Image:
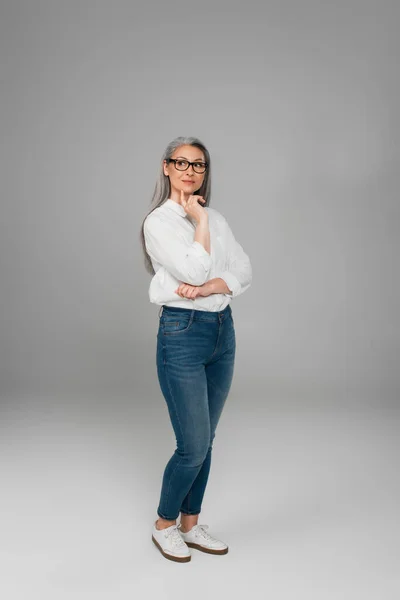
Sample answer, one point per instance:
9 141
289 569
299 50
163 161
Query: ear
165 168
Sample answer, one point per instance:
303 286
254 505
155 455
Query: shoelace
175 536
200 530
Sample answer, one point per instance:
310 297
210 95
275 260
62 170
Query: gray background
298 105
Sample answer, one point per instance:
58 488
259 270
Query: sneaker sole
207 550
171 556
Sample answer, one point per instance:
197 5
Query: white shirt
177 258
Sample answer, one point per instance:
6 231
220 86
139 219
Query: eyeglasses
183 165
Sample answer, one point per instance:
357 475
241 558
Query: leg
184 385
219 378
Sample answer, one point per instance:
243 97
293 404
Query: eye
181 163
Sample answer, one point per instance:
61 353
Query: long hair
162 188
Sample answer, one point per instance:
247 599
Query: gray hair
162 188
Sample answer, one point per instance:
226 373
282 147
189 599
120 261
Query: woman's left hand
185 290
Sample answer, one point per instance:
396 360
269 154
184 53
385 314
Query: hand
192 207
185 290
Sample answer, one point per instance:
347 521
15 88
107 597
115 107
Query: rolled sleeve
238 274
232 283
189 263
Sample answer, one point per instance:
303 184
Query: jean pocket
174 326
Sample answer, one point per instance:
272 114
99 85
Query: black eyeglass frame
174 160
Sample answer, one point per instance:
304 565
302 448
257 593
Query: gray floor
307 499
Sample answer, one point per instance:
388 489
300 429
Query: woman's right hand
193 208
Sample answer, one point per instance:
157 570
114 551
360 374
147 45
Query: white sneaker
171 544
198 538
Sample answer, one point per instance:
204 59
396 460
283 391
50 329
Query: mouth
187 180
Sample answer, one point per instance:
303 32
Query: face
189 181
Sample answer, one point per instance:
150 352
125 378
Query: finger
192 291
179 290
186 290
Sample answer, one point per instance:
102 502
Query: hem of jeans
167 518
190 513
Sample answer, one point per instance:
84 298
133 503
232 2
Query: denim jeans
195 361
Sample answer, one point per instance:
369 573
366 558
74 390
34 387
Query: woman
197 267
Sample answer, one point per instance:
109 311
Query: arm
237 277
186 262
217 286
202 234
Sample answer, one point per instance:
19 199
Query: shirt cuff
232 282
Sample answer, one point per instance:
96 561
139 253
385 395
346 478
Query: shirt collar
175 206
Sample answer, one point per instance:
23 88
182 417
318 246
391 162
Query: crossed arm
212 286
191 263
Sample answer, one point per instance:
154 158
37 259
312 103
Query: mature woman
197 267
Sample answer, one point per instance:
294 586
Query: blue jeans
195 360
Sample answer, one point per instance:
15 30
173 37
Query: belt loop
160 311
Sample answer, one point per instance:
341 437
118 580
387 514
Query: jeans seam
169 484
181 432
